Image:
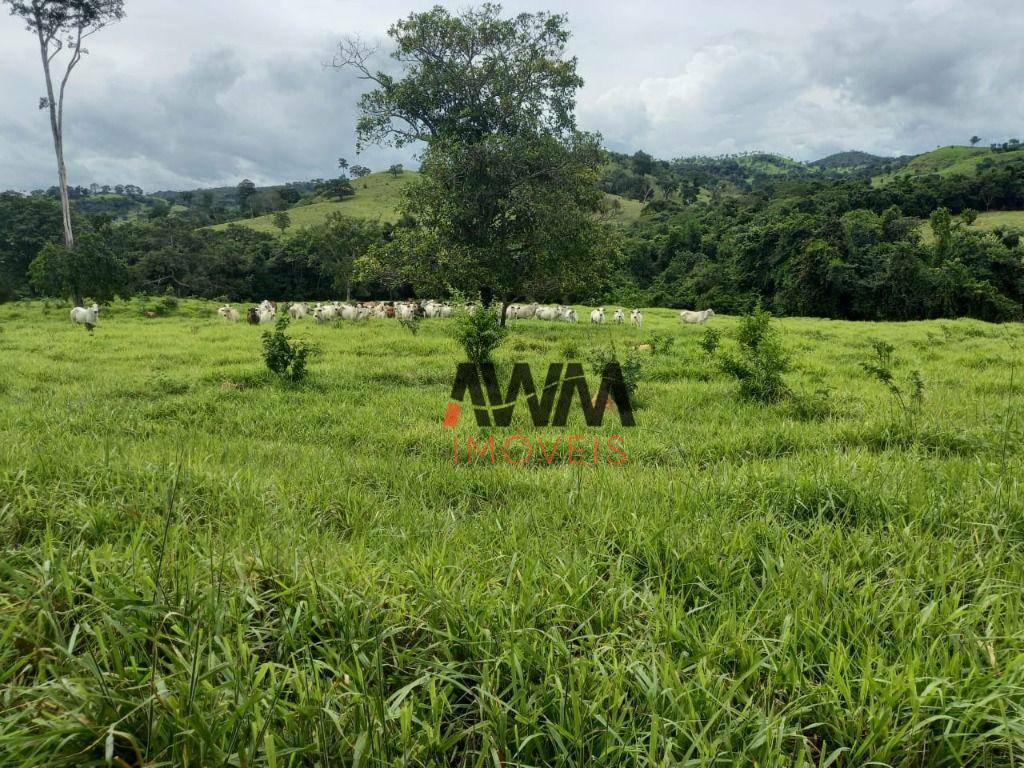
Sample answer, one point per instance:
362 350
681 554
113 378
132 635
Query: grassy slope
751 587
377 198
949 161
985 222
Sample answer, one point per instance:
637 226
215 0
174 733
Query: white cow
597 316
325 313
636 317
619 316
548 313
90 317
568 315
298 311
523 311
229 313
689 316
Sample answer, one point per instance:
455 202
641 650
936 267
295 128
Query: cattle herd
266 312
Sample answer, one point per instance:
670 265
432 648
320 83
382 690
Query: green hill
952 161
377 198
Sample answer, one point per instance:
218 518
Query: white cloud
187 92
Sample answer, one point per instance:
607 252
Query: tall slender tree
62 26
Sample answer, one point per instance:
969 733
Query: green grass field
200 566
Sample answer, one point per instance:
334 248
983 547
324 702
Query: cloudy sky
187 93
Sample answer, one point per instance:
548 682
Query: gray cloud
184 93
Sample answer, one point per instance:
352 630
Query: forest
801 239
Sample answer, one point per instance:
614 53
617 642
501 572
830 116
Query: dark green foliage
284 357
90 268
479 333
336 189
759 360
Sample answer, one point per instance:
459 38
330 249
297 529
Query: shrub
161 306
710 340
285 357
880 367
631 367
479 333
411 323
759 360
661 344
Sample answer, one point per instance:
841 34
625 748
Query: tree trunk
58 144
504 311
57 129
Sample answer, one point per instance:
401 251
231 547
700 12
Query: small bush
710 340
759 360
661 344
479 333
285 357
411 323
631 367
162 306
880 367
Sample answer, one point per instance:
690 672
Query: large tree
63 25
506 195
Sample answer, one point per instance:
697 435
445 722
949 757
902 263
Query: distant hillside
377 198
859 162
124 207
951 161
992 221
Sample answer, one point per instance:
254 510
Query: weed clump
284 357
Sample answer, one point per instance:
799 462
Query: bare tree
62 25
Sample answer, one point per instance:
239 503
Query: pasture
200 566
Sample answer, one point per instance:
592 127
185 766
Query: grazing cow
597 316
298 311
229 313
325 313
619 317
689 316
568 315
90 317
547 313
525 313
636 317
